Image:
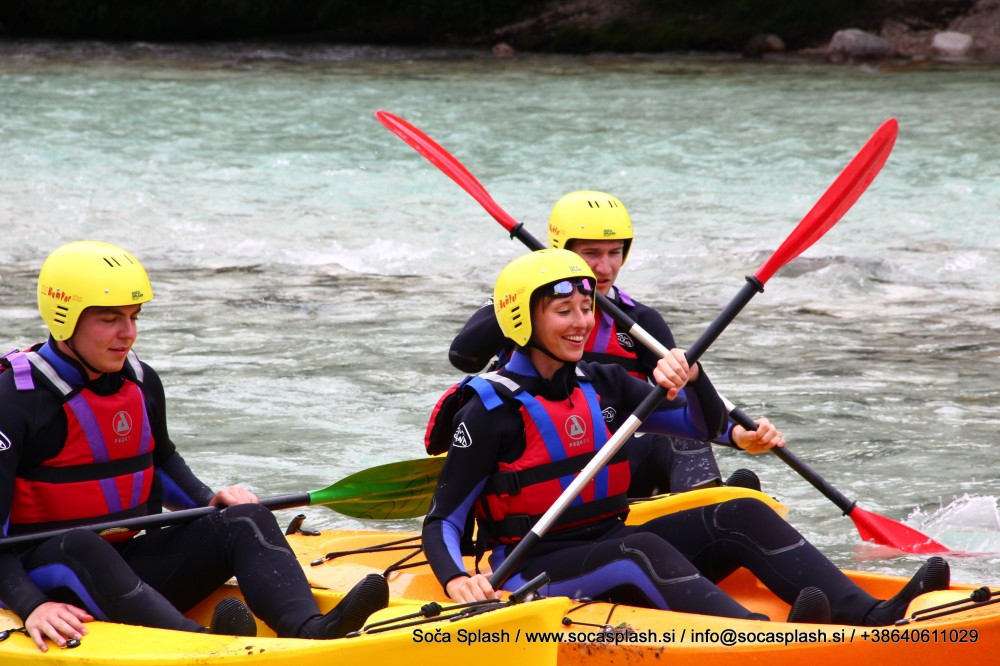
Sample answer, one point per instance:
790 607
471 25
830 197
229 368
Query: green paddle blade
395 490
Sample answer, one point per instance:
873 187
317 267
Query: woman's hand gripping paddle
395 490
839 197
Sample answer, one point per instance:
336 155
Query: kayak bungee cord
978 598
435 612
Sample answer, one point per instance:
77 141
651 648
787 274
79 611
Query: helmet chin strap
541 348
80 357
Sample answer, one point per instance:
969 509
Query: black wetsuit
150 578
671 562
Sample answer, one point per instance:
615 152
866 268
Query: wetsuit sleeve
704 410
483 436
19 410
179 487
17 591
654 324
479 341
725 438
700 416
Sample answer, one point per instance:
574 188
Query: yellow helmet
589 215
521 278
83 274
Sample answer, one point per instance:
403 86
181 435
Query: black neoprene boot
232 617
743 478
810 607
368 596
935 574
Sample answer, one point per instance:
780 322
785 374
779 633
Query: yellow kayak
473 639
948 625
616 634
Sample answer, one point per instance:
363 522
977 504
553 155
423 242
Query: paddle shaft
846 505
153 520
738 415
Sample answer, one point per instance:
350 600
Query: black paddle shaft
805 471
153 520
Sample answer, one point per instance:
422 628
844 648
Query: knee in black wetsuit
753 522
256 522
81 568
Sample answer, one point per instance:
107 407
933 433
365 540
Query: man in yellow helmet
596 226
84 440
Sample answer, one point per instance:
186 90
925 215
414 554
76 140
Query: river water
310 269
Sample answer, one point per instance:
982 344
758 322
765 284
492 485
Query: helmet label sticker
56 294
461 439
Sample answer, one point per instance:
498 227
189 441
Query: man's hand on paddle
764 438
233 495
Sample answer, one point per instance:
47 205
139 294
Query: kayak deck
547 631
117 644
616 634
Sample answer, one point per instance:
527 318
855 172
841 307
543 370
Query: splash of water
970 524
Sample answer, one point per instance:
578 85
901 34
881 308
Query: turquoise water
310 268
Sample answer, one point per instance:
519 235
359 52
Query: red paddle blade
839 197
447 163
887 532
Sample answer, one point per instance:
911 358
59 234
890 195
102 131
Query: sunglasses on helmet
565 288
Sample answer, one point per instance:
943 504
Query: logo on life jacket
576 428
4 442
122 424
461 439
625 340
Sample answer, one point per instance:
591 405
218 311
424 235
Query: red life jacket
607 345
560 440
103 472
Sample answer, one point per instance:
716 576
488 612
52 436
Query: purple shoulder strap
21 367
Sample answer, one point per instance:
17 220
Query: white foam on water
970 524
